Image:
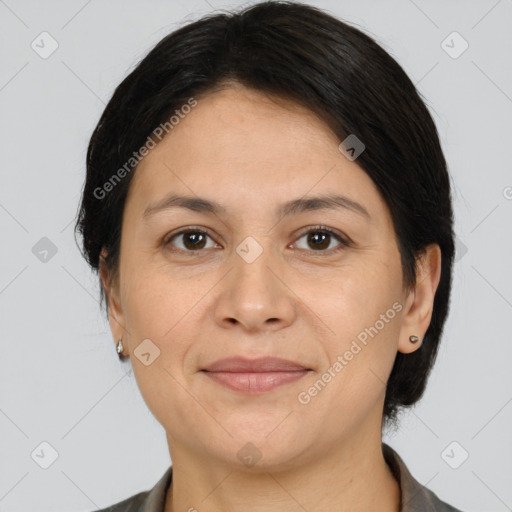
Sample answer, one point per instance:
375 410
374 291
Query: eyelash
314 229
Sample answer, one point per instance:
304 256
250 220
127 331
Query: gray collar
414 496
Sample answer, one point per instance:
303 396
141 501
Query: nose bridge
254 295
252 279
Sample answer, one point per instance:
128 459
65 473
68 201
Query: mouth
254 376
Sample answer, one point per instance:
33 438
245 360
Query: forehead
248 125
239 145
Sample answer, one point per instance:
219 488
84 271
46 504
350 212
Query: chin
261 458
262 441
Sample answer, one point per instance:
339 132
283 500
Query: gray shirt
414 496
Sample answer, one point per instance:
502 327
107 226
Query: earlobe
420 301
413 343
115 314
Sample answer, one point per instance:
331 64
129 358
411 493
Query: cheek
353 297
161 310
156 307
362 309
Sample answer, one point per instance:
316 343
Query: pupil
322 241
198 237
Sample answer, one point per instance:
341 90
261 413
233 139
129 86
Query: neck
354 477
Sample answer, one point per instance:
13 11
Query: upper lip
259 365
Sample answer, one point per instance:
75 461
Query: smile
254 376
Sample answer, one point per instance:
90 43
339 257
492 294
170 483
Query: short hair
296 52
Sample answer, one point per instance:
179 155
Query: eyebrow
294 207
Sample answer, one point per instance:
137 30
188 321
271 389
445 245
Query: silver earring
414 339
120 347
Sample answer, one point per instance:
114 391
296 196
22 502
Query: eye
192 239
319 239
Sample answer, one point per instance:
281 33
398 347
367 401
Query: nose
255 296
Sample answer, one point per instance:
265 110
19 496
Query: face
251 273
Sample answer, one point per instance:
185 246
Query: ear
420 301
115 311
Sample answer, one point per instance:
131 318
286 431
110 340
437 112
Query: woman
269 209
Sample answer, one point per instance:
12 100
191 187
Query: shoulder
427 500
415 497
132 504
152 500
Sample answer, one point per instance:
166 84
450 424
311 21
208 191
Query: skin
251 154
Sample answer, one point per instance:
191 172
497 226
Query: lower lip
255 382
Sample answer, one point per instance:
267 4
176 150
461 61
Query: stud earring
414 339
120 348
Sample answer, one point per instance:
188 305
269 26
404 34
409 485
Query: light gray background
61 381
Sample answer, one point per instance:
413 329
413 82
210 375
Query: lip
259 365
252 376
